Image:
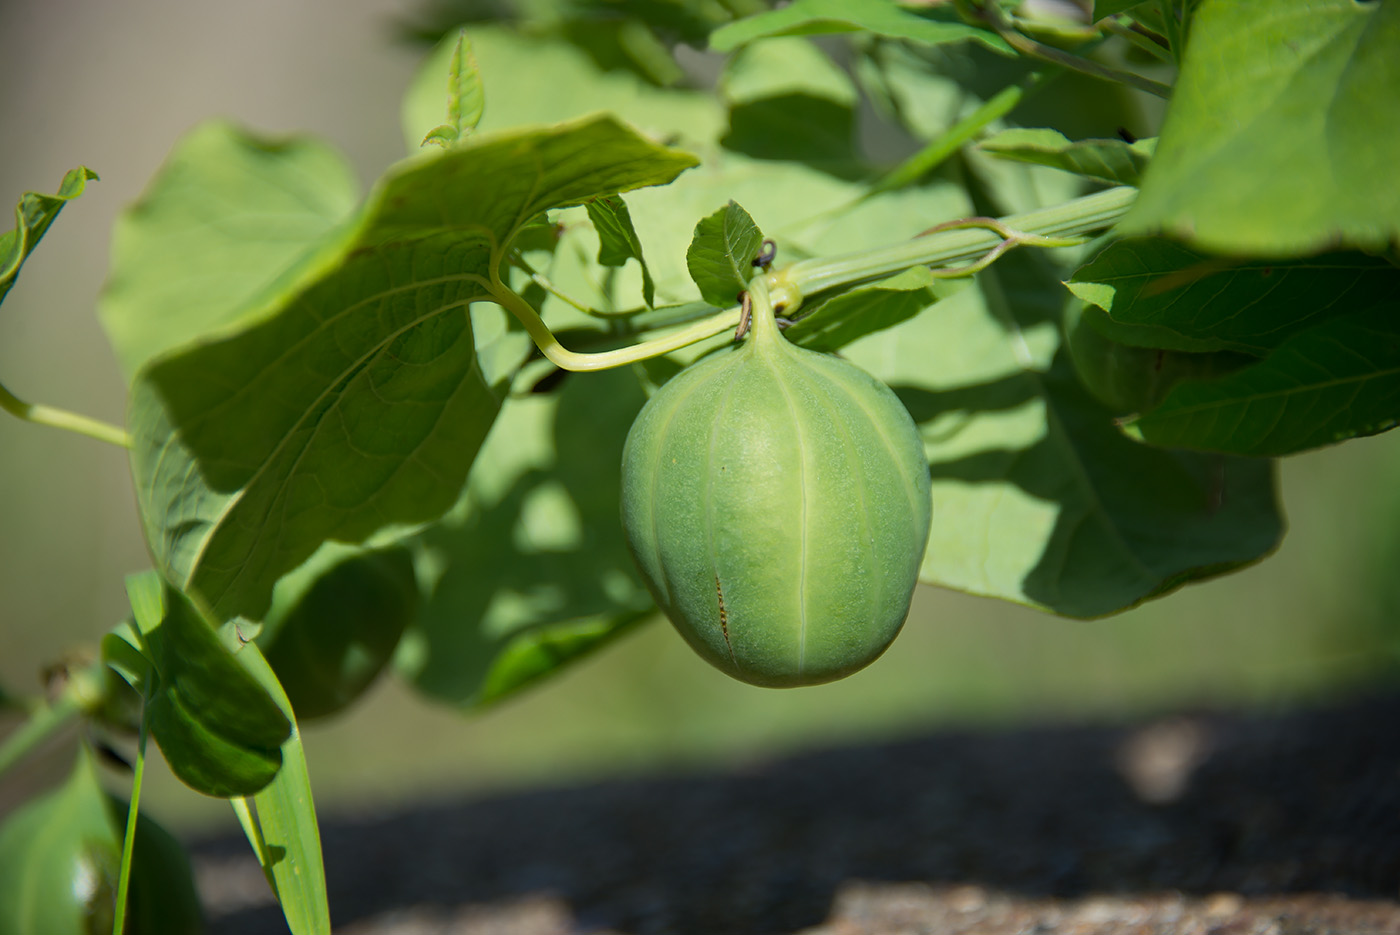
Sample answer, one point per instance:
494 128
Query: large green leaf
217 727
1038 497
354 400
879 17
1162 294
530 570
228 214
1336 380
33 215
1284 131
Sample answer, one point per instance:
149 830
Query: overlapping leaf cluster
344 448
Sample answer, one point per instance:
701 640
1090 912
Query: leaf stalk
63 419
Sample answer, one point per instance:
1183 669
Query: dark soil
1210 824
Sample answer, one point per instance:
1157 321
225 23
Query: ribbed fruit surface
777 503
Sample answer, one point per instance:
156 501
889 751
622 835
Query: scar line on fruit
724 618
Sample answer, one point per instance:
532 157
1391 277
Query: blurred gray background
112 85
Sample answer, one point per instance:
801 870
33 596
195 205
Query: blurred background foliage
112 86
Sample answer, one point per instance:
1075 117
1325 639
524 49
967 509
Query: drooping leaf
865 310
230 217
530 569
1333 381
879 17
617 239
355 400
288 838
1112 161
33 215
1158 293
1282 132
216 726
335 622
1038 498
721 254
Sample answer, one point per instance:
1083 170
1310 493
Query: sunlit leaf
226 220
530 570
1282 132
1038 497
355 400
721 254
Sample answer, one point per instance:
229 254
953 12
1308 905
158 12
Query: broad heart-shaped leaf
617 239
286 836
865 310
1159 293
228 213
1112 161
530 570
1038 497
33 215
1284 131
1334 381
722 253
216 725
355 401
880 17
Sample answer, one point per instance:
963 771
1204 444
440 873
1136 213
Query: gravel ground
1211 824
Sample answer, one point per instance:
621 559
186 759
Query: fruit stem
63 419
764 322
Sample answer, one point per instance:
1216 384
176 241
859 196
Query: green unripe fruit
777 503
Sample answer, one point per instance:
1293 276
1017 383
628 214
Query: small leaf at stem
721 254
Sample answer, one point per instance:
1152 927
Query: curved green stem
562 357
63 419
